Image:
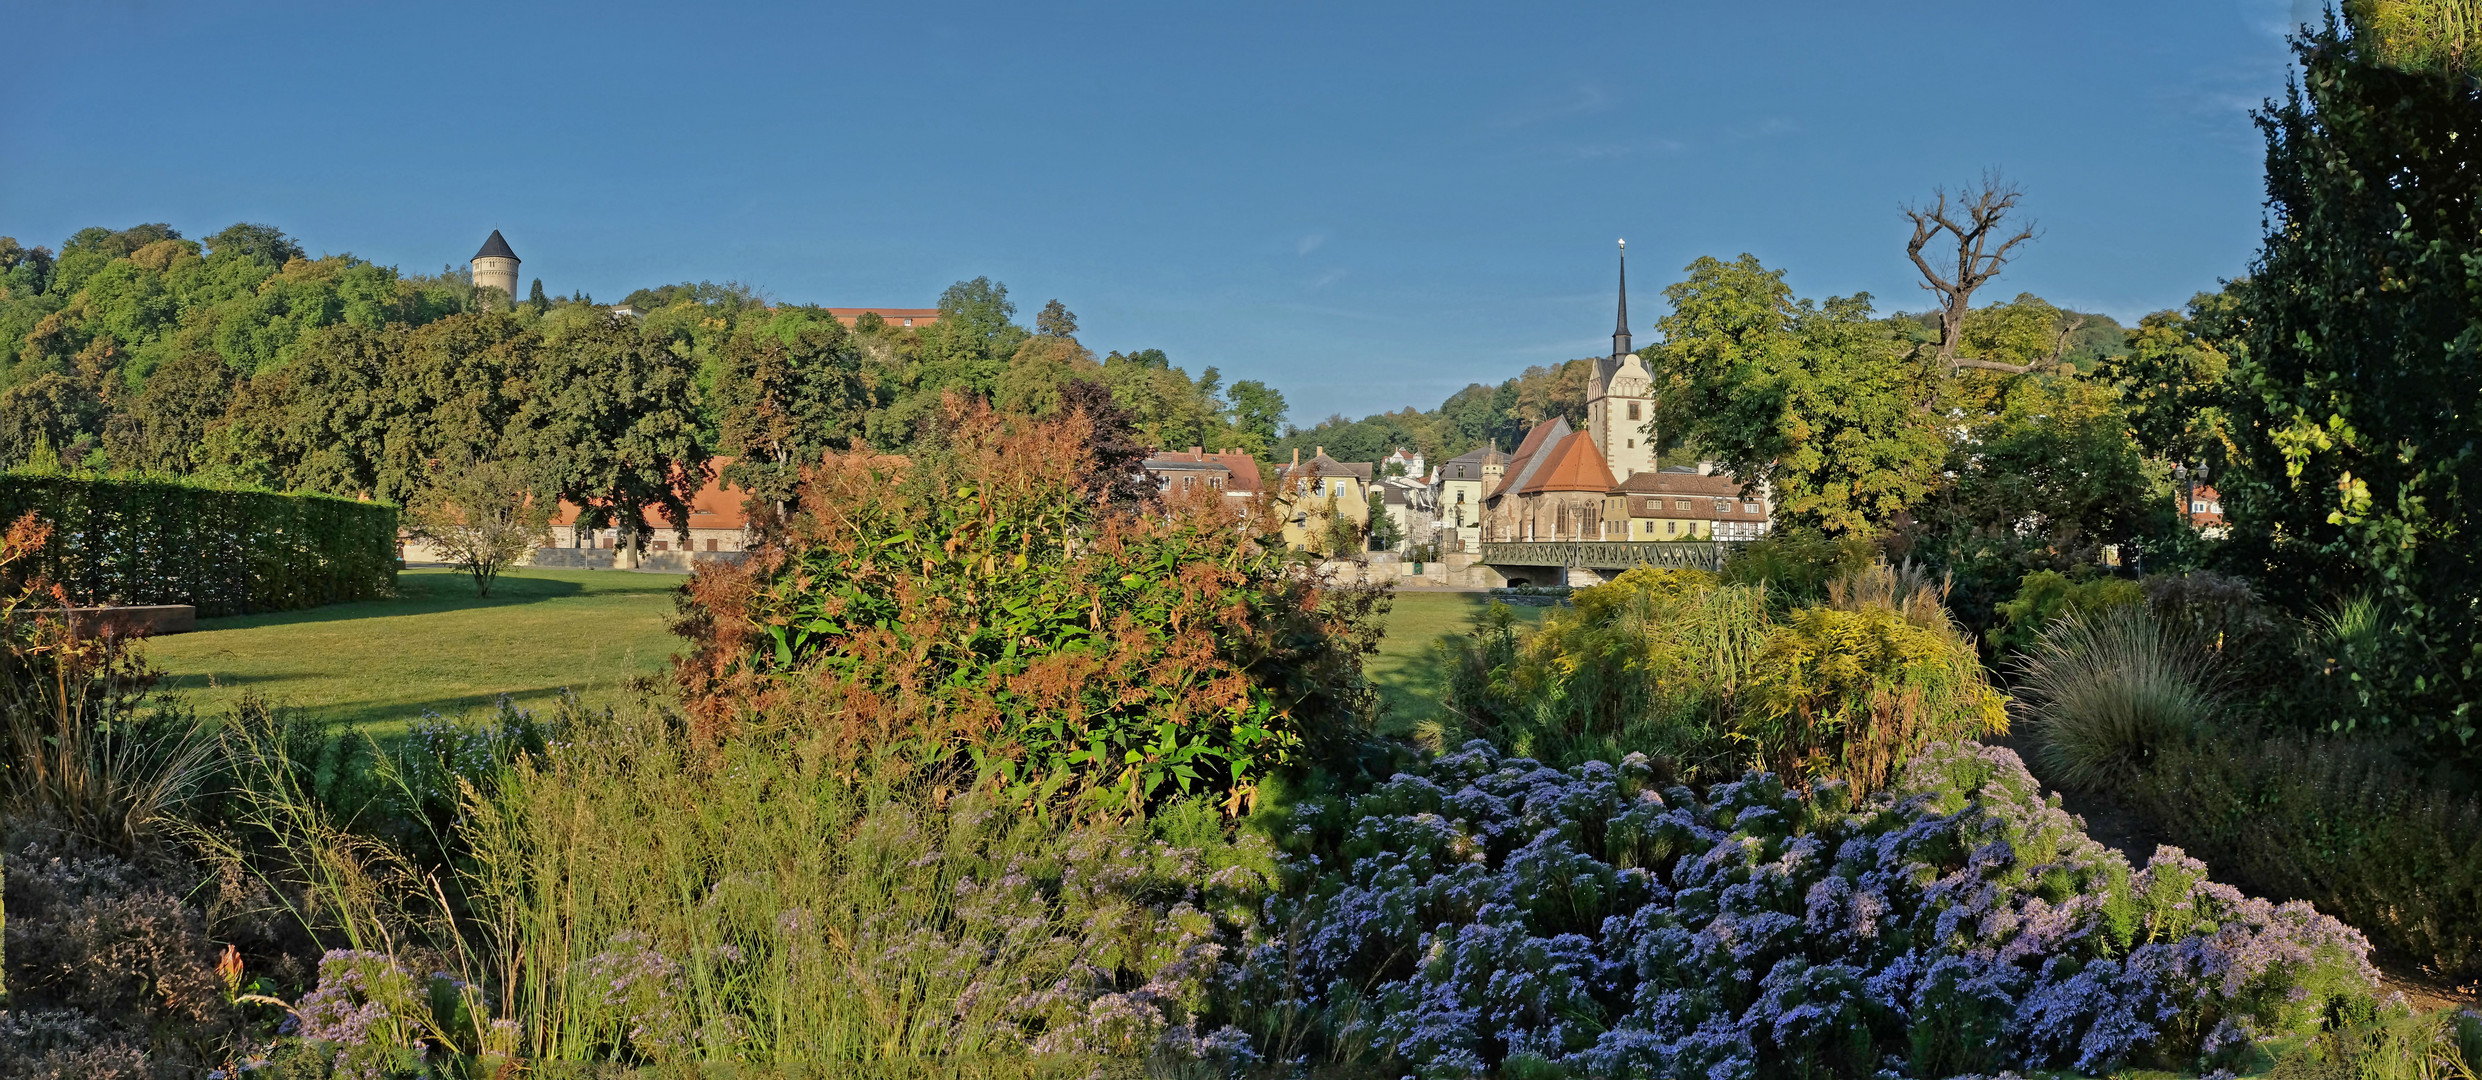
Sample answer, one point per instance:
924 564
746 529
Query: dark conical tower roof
496 248
1620 336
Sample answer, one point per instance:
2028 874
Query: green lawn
1409 682
435 648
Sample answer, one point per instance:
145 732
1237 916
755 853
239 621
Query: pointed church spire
1620 337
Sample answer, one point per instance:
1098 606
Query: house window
2198 507
710 543
1749 508
1671 527
1633 410
1683 504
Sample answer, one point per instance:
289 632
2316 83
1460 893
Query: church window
1633 444
1633 410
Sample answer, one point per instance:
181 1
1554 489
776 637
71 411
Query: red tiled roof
714 507
1522 464
896 316
1243 467
1574 465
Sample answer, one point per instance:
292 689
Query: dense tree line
241 359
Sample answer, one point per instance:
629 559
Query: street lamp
2189 479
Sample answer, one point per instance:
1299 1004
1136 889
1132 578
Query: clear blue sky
1368 206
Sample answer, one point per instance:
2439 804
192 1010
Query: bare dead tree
1977 220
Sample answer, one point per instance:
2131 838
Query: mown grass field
436 648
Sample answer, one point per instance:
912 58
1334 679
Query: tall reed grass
653 904
2103 690
83 750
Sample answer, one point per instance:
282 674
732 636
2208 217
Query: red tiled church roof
1573 465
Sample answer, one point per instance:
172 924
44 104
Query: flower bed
1491 913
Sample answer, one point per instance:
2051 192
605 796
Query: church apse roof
1573 465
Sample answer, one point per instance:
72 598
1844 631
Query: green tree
163 428
1384 533
53 415
609 420
481 516
2359 456
2173 380
784 396
1055 320
264 245
1822 402
1257 410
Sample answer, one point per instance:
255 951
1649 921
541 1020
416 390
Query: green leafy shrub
1851 695
2425 1046
228 551
2046 596
1675 663
1651 661
984 601
2103 690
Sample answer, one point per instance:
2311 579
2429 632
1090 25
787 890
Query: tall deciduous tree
609 421
2359 443
163 428
1820 401
783 398
1257 409
2174 377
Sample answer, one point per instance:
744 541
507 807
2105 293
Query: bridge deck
1611 554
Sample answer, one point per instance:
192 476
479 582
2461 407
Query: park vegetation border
226 550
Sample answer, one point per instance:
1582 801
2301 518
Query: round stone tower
495 266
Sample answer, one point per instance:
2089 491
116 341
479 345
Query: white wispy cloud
1309 243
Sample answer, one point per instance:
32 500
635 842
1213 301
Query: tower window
1633 410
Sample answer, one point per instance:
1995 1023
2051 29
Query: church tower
1620 398
495 266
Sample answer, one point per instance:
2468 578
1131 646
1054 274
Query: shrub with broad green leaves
988 602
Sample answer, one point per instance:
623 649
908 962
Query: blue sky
1367 206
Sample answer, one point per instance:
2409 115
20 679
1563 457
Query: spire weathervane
1620 336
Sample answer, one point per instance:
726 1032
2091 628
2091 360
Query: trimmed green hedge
229 551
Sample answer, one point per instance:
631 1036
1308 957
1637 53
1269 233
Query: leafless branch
1977 220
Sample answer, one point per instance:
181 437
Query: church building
1557 484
